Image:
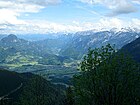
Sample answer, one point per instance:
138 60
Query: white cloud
8 16
26 5
136 2
122 7
88 1
110 23
135 23
35 2
38 26
117 7
10 11
43 26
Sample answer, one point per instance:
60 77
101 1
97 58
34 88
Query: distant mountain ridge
12 41
81 41
70 45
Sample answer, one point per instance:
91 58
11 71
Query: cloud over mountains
12 11
117 7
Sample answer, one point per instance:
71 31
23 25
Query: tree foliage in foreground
107 78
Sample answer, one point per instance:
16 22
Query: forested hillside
28 89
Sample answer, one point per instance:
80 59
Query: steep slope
133 49
9 81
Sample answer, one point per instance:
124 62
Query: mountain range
66 46
58 50
83 40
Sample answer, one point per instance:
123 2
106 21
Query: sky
68 16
